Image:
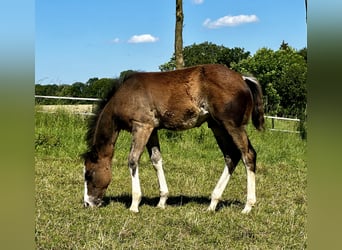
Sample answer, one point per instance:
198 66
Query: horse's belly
185 119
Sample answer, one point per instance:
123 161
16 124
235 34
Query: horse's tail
258 109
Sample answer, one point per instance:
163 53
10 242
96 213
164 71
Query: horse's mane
92 121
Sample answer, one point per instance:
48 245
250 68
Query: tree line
281 73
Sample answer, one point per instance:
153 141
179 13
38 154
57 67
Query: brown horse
175 100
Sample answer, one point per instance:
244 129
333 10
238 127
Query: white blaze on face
86 198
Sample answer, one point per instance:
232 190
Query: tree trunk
306 10
179 35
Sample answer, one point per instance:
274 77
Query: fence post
272 123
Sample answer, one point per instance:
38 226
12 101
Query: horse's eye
88 176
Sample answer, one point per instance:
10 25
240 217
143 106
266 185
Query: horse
176 100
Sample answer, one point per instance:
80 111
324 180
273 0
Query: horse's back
184 98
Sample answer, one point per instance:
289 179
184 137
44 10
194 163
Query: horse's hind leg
240 138
153 148
140 135
250 163
231 156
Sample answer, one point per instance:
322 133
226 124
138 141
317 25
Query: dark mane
92 121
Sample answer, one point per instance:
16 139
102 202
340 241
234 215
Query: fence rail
273 118
68 98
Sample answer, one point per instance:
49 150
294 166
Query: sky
76 40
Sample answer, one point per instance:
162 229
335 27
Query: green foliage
282 75
50 90
99 88
303 126
207 53
126 73
93 88
272 100
304 53
193 165
76 90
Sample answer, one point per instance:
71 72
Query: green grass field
193 165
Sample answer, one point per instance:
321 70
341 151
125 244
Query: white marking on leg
164 191
136 191
220 186
251 197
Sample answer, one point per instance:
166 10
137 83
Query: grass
193 164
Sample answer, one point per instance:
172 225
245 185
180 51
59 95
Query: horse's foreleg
136 189
157 162
140 135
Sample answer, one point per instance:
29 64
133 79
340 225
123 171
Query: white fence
275 126
68 98
293 121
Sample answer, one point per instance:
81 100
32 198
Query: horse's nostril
86 204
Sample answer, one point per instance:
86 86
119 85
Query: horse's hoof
246 210
162 206
134 210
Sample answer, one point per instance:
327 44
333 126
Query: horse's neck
105 133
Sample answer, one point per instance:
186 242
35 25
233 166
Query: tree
304 53
272 100
207 52
179 34
284 46
292 88
99 88
48 90
263 65
90 89
282 74
306 9
74 90
126 73
231 56
202 53
45 90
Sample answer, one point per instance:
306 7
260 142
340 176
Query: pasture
193 163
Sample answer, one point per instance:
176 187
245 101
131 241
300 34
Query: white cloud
229 21
144 38
115 40
197 1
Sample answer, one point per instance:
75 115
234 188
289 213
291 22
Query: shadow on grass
176 201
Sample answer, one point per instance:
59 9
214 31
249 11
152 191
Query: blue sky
79 39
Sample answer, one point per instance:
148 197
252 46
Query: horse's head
97 176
